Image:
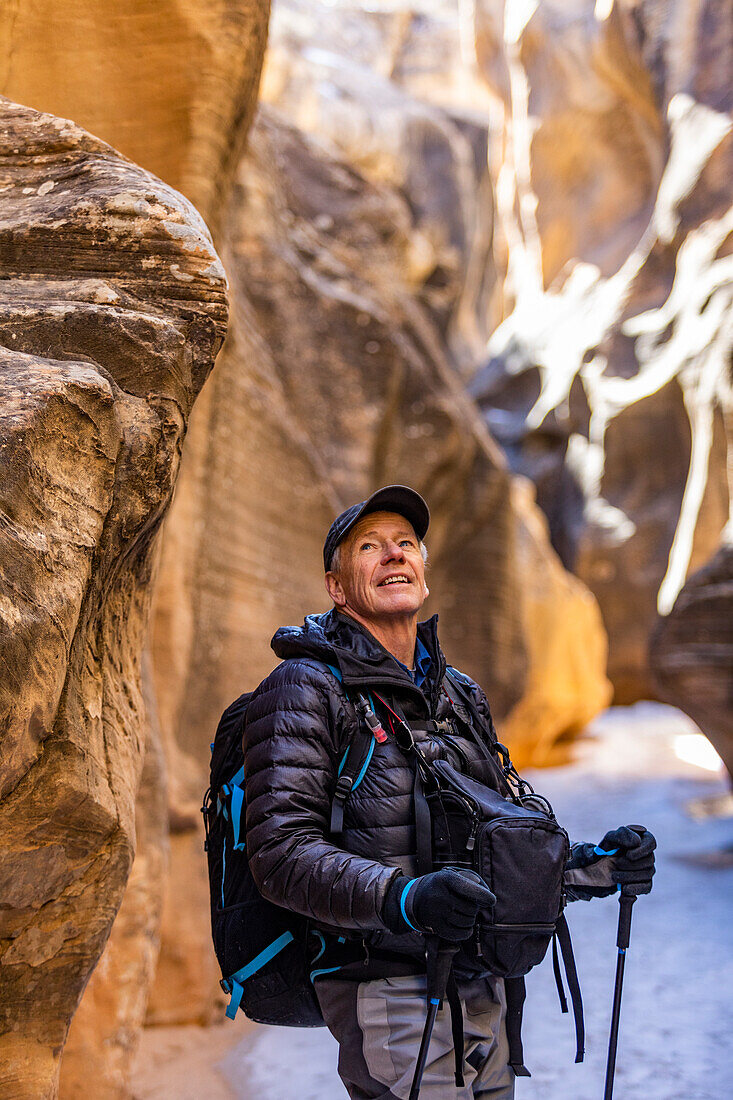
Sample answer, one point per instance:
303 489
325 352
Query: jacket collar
363 661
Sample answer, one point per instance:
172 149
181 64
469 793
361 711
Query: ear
335 589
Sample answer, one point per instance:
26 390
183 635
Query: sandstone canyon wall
395 210
112 310
172 84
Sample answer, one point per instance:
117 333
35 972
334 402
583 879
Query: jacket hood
337 639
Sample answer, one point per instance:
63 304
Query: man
361 888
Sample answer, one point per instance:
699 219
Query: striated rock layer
172 85
606 383
112 309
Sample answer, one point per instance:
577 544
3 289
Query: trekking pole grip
626 902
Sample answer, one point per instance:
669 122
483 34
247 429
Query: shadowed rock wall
692 651
112 310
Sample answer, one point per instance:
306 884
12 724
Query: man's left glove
624 858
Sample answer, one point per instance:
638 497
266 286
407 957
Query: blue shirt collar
422 664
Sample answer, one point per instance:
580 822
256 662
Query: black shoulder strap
473 716
566 947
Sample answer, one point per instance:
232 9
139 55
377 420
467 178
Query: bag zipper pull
471 842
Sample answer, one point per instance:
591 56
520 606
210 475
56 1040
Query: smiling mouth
400 578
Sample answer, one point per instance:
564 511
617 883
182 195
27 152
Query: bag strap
566 947
515 995
474 721
558 975
354 763
472 717
423 827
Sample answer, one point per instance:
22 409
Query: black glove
444 903
624 858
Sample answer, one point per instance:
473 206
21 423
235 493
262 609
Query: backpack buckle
344 784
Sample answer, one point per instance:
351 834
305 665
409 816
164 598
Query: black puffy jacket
298 725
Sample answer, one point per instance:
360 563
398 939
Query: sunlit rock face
389 90
567 647
692 651
112 310
606 383
172 84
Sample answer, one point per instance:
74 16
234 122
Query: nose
392 551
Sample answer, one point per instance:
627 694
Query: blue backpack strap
234 984
237 805
235 788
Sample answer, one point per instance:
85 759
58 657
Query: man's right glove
624 858
444 903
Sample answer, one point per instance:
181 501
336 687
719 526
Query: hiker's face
380 574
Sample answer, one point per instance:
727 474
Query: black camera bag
520 852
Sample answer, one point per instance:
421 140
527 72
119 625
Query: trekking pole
439 960
625 901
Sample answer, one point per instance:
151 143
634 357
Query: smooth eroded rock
170 83
112 309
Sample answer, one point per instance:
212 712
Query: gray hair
336 557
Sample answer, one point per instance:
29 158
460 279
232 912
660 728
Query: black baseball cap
392 498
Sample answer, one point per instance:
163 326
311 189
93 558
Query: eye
406 542
366 545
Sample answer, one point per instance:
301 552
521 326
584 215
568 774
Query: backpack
262 949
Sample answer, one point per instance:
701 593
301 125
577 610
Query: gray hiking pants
379 1025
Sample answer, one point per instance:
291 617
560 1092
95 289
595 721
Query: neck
398 636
